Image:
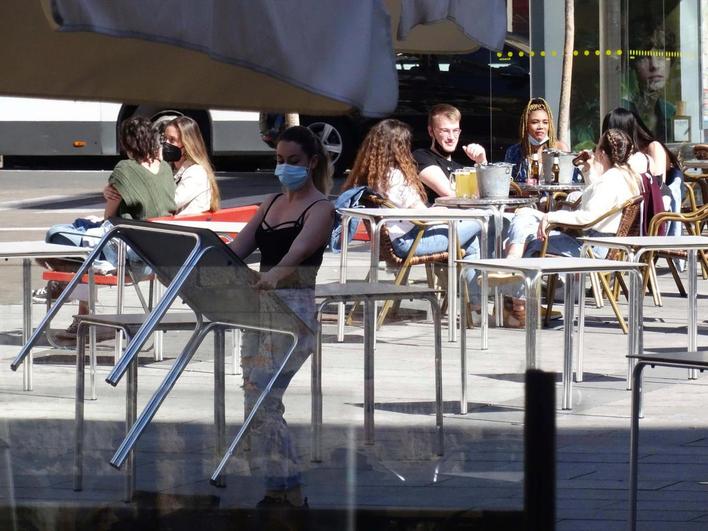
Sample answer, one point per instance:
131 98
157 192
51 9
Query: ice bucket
494 180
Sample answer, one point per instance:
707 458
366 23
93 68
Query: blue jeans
435 240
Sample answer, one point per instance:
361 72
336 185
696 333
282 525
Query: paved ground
482 468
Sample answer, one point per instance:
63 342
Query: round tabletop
461 202
555 187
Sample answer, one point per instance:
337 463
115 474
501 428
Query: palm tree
567 74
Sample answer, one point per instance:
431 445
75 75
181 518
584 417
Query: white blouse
401 194
192 193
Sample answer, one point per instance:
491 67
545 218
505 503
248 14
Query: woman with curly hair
385 165
536 133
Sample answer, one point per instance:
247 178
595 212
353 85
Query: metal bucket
494 180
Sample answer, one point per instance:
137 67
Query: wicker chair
402 265
693 222
629 226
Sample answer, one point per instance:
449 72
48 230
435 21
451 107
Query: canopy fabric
334 70
447 26
310 56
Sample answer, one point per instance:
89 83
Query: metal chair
402 266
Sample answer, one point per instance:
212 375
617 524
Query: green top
145 195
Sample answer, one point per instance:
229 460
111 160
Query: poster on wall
652 80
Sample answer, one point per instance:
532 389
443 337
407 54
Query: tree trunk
567 75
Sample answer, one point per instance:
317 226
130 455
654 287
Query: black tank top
274 242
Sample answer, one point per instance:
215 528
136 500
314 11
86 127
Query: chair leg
397 304
402 273
596 290
619 280
613 303
350 317
677 277
550 292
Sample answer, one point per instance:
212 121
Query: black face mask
170 152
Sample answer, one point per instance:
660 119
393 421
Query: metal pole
343 275
435 309
120 288
92 334
581 329
463 344
79 408
568 341
452 282
634 443
131 413
27 321
533 289
220 394
316 384
369 327
692 308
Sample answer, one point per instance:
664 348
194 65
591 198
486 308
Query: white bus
43 127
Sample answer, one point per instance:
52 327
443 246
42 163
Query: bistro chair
693 222
401 266
629 226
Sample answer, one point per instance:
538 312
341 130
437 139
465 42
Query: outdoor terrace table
532 270
498 206
378 217
548 189
692 361
636 246
27 251
368 294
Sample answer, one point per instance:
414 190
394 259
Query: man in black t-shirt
435 164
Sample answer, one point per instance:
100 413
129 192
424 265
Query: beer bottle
535 170
555 169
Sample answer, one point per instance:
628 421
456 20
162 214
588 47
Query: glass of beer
472 186
462 189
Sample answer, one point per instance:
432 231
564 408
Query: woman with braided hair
617 183
536 133
385 165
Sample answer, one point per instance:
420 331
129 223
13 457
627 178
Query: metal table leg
343 276
79 408
452 282
463 347
27 321
568 341
581 329
533 297
131 413
369 328
219 395
316 384
634 443
692 308
435 308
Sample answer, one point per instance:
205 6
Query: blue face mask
292 177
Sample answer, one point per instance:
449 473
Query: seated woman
385 165
536 133
291 230
146 189
196 188
651 156
617 183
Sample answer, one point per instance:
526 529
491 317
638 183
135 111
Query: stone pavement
482 468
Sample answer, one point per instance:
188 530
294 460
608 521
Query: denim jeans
272 453
435 240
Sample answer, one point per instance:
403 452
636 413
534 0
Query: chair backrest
386 252
629 222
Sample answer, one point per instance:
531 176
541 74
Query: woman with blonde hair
184 148
182 145
536 133
385 165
